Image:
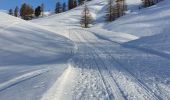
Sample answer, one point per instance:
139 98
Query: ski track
128 73
142 91
112 90
22 78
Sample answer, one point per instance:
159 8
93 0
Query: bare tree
147 3
110 11
86 18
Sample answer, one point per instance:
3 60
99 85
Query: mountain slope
144 22
109 61
108 64
25 41
31 58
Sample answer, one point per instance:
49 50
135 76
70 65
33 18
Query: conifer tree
58 8
86 18
38 11
16 11
11 12
72 4
64 7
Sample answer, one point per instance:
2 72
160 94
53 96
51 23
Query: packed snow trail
96 73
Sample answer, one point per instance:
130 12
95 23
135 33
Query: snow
53 58
4 11
31 58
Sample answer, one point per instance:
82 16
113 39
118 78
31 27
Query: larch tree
86 18
26 11
147 3
110 11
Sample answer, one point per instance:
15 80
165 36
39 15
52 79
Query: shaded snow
31 58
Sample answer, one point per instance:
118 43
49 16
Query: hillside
53 58
120 49
29 56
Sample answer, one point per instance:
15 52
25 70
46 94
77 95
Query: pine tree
86 18
58 8
64 7
38 11
16 11
11 12
72 4
23 10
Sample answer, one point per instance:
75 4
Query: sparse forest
148 3
114 10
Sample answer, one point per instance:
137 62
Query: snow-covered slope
111 61
30 58
151 25
71 19
145 22
22 42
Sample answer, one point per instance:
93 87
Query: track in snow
138 88
22 78
95 74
